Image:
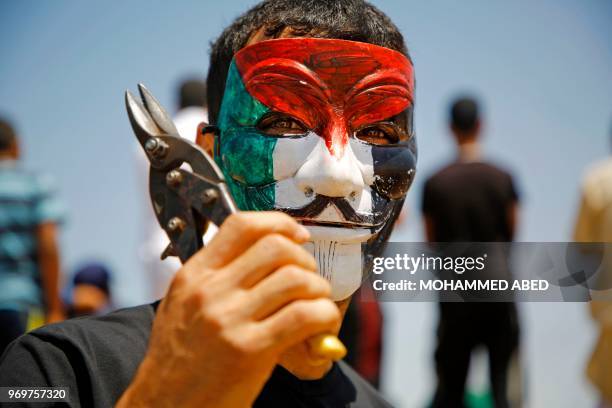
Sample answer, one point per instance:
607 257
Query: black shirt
469 202
97 357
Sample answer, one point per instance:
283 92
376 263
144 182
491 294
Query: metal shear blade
186 186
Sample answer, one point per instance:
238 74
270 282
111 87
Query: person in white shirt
191 112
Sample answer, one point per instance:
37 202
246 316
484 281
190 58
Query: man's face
322 130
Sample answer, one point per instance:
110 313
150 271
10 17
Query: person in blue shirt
29 256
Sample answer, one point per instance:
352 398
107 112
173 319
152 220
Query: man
29 258
594 224
318 128
471 201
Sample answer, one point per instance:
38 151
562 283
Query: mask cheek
247 156
394 169
363 154
290 154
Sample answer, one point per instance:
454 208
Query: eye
383 133
279 124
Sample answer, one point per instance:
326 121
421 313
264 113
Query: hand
230 312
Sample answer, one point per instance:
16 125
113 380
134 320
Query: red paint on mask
333 86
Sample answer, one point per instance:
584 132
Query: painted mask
322 130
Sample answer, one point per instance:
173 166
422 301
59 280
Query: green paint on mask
245 154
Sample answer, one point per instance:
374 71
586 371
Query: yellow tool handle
327 346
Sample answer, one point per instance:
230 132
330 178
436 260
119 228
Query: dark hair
354 20
464 114
192 93
7 135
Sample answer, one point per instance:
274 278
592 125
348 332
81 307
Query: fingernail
302 233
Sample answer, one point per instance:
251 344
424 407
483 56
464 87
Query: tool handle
327 346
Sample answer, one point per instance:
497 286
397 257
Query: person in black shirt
97 358
233 327
470 200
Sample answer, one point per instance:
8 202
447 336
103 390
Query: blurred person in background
594 224
470 200
90 293
191 107
29 255
191 112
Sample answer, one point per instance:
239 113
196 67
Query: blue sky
543 71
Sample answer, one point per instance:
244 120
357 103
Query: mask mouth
337 224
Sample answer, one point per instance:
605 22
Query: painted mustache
321 202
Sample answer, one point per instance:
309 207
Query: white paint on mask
339 263
303 168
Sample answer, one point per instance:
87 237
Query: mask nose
328 175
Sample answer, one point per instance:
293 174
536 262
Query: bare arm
48 261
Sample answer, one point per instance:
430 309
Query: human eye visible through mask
279 125
383 133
